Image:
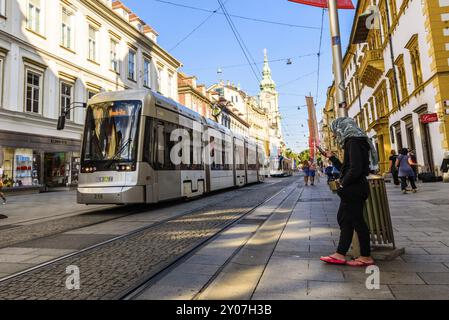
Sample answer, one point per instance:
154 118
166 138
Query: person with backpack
353 190
404 163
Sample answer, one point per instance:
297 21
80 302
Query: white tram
281 167
141 147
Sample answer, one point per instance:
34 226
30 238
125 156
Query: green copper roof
267 83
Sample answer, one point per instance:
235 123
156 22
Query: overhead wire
240 17
242 46
194 29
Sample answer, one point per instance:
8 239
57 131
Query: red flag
341 4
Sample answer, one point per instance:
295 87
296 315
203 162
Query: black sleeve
356 164
336 162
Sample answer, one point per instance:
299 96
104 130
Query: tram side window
252 158
149 150
160 141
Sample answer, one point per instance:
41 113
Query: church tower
269 99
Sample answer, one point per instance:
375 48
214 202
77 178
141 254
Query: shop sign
429 117
58 141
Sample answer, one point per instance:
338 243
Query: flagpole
337 58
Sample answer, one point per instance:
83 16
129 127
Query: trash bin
377 213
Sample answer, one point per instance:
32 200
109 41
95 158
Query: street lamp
61 119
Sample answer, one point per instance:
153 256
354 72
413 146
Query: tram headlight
88 169
125 167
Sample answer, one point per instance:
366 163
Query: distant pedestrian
305 169
353 190
393 169
312 172
328 171
2 195
404 163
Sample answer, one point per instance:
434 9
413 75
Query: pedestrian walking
312 172
305 169
353 190
2 195
404 163
393 169
328 171
414 163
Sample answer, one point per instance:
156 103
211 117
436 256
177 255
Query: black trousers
395 174
350 218
404 182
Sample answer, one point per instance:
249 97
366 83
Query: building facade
194 96
396 73
55 54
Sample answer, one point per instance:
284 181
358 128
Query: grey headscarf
345 128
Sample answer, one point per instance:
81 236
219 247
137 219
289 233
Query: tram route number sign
429 117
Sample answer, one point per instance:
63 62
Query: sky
203 46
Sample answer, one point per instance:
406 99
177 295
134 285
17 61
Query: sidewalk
280 260
421 225
32 208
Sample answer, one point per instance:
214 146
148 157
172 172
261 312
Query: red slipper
359 263
332 260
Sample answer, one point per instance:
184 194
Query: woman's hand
328 154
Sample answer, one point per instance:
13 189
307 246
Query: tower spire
267 83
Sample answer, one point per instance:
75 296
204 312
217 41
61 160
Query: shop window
19 168
33 96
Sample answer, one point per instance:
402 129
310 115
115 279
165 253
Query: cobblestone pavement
15 234
108 271
293 270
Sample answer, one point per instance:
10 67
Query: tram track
114 268
134 293
15 235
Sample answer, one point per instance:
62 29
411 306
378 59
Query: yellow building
396 70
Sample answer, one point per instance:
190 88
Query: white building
54 53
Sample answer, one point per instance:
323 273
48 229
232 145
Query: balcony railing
372 67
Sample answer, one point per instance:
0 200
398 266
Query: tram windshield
111 131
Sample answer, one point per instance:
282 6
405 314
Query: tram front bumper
111 195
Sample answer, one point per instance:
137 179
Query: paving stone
15 258
10 268
435 277
324 290
159 292
386 277
420 292
284 286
